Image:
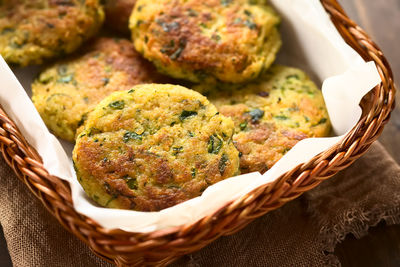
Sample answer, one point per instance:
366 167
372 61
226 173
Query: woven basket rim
126 248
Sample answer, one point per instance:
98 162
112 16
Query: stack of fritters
149 147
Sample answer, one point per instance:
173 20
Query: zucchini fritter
271 114
34 30
227 40
152 147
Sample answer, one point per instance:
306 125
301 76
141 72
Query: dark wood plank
381 247
5 260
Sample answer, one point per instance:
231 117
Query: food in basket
34 30
227 40
157 145
118 13
152 147
271 114
65 92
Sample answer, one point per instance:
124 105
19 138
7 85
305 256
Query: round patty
271 114
152 147
118 13
34 30
65 92
227 40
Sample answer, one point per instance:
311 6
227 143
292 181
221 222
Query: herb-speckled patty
65 92
228 40
34 30
118 13
271 114
152 147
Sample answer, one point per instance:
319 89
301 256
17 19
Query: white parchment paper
310 42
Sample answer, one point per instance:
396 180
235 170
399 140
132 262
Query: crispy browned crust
120 55
264 145
118 13
153 147
32 31
153 194
200 52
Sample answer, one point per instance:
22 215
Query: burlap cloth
302 233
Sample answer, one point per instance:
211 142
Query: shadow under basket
164 246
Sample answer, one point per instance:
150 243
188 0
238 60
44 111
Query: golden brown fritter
227 40
34 30
65 92
152 147
271 114
118 13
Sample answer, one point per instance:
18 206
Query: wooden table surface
381 247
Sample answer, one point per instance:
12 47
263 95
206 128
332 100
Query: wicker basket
164 246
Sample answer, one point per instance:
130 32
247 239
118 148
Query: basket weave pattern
164 246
